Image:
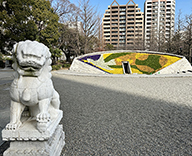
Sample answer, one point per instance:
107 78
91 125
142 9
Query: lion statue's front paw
43 117
13 126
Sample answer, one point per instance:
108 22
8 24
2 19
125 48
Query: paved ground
106 116
6 78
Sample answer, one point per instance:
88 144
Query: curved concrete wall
142 62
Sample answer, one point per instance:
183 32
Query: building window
114 7
114 40
130 10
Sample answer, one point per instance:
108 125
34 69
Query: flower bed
141 63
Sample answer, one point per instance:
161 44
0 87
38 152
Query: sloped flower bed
141 63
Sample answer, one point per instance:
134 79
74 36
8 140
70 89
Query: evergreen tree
27 19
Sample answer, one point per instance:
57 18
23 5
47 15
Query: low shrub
56 67
67 65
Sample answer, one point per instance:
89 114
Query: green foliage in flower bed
152 61
115 55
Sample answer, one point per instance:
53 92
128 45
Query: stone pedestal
28 141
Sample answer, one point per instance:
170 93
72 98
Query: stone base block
51 147
29 131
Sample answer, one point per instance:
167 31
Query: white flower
101 63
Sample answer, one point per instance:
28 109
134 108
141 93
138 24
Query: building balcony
155 4
114 28
106 22
122 13
131 24
130 33
106 18
114 40
130 28
122 41
130 19
114 9
107 34
122 21
106 38
114 20
106 26
114 16
114 24
107 31
130 39
122 33
122 25
122 17
107 13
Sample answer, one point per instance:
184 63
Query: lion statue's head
31 58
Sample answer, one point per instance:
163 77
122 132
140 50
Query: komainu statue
32 92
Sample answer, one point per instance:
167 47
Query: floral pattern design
141 63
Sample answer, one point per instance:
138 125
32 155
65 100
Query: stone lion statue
32 87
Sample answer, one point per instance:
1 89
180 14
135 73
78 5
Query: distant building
123 26
159 20
76 25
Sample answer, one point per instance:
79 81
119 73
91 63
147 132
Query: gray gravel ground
126 116
111 116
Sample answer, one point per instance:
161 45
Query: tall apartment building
159 21
123 26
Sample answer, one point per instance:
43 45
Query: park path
121 116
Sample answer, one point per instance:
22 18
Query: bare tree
188 35
139 41
70 41
64 9
90 20
153 40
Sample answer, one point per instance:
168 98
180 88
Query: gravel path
126 116
111 116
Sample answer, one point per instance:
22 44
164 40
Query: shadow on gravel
98 121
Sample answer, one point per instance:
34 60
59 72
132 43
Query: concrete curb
68 72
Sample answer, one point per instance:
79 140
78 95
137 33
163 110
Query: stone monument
34 112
